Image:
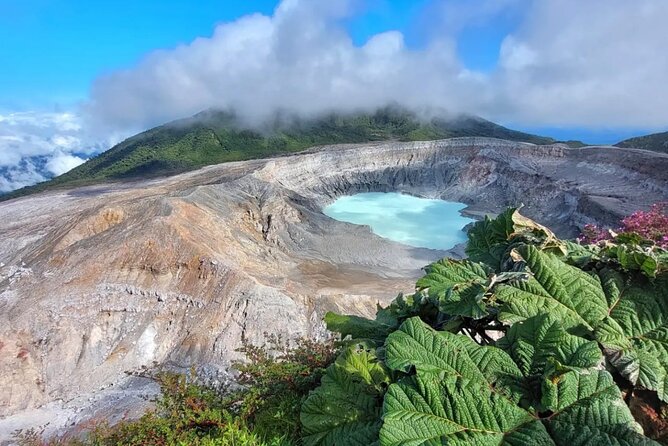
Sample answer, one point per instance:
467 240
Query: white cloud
300 58
63 162
586 63
600 62
35 146
24 173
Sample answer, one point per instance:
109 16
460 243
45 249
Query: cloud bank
37 146
300 59
594 63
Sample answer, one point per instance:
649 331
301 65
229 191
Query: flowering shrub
649 225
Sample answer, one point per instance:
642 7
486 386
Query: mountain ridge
218 136
655 142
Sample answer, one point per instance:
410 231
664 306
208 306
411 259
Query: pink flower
651 225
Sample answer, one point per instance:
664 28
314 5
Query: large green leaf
581 255
635 258
533 342
627 314
587 409
458 286
539 342
360 328
345 409
569 293
387 319
416 345
635 334
428 410
454 397
491 240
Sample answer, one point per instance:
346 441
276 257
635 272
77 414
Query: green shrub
276 379
532 340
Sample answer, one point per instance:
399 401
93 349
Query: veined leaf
580 255
490 240
345 409
428 410
576 297
589 410
635 258
531 343
635 334
537 343
454 399
458 286
360 328
416 345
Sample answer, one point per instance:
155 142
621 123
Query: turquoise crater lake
413 221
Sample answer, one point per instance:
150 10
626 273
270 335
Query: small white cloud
35 146
516 55
66 141
62 162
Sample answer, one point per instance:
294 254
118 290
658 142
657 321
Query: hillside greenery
656 142
530 340
215 136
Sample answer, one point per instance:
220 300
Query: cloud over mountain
601 62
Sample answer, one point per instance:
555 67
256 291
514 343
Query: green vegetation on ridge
215 136
657 142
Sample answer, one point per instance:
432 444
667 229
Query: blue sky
56 48
79 75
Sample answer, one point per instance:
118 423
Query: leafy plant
464 393
532 340
276 377
345 409
639 244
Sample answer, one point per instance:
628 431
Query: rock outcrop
98 281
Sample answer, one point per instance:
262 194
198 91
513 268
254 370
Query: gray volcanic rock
102 280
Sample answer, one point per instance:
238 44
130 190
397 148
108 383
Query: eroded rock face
102 280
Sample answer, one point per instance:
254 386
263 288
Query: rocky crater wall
99 281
